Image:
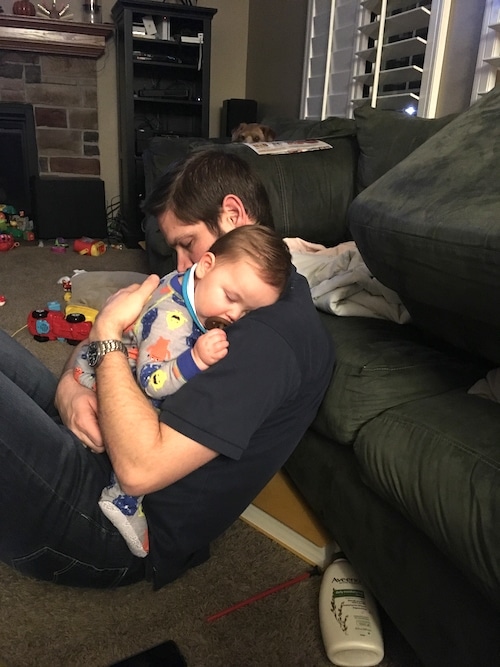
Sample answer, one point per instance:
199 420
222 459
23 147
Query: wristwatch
97 350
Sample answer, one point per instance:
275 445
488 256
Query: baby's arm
82 371
159 378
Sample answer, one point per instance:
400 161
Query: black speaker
234 112
69 207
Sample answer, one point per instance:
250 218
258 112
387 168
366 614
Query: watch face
93 355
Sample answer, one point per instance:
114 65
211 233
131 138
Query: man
212 447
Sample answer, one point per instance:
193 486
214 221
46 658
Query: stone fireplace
51 65
48 113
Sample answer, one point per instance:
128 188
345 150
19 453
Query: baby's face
230 290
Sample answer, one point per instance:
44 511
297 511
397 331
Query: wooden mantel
53 37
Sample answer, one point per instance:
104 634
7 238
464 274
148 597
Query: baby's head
245 269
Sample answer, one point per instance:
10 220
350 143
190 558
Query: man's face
189 241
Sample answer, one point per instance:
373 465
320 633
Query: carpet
43 625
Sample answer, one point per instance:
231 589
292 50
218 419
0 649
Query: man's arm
77 406
146 454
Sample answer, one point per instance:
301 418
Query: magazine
284 147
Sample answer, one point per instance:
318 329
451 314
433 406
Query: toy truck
52 324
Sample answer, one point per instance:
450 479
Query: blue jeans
51 526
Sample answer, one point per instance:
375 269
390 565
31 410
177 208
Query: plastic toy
86 246
7 242
52 324
89 313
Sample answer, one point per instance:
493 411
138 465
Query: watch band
99 348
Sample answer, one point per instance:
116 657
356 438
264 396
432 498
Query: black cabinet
163 68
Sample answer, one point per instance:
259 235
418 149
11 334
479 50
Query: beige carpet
43 625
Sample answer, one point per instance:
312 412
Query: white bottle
350 625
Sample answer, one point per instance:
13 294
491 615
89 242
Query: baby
181 333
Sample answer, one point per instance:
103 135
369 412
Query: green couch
402 464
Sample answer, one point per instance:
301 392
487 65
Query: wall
276 41
229 55
464 33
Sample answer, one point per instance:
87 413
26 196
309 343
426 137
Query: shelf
375 6
168 100
391 76
162 63
166 42
414 19
395 102
494 62
53 37
404 48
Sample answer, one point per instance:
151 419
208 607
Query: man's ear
233 214
205 264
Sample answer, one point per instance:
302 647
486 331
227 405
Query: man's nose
183 262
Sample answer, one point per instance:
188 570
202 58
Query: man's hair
259 246
194 189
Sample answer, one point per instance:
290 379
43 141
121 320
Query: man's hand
77 407
210 347
122 309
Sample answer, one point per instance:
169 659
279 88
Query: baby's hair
260 246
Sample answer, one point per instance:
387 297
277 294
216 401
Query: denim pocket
51 565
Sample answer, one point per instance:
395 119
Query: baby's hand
210 348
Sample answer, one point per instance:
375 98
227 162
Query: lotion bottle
350 625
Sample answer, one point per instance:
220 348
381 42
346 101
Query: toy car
45 324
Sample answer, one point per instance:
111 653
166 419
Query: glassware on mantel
91 11
23 8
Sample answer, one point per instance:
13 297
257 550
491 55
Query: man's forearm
129 423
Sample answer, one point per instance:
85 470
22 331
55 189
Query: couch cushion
379 365
438 461
430 230
387 137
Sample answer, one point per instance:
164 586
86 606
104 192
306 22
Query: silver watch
97 350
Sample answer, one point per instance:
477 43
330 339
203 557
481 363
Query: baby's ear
204 264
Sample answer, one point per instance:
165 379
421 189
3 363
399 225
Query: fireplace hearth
18 148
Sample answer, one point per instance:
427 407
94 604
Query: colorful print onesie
159 345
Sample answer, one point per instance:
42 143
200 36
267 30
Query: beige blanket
341 283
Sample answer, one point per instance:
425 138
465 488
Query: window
387 52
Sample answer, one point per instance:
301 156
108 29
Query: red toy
7 242
45 324
86 246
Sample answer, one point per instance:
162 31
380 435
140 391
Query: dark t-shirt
252 407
